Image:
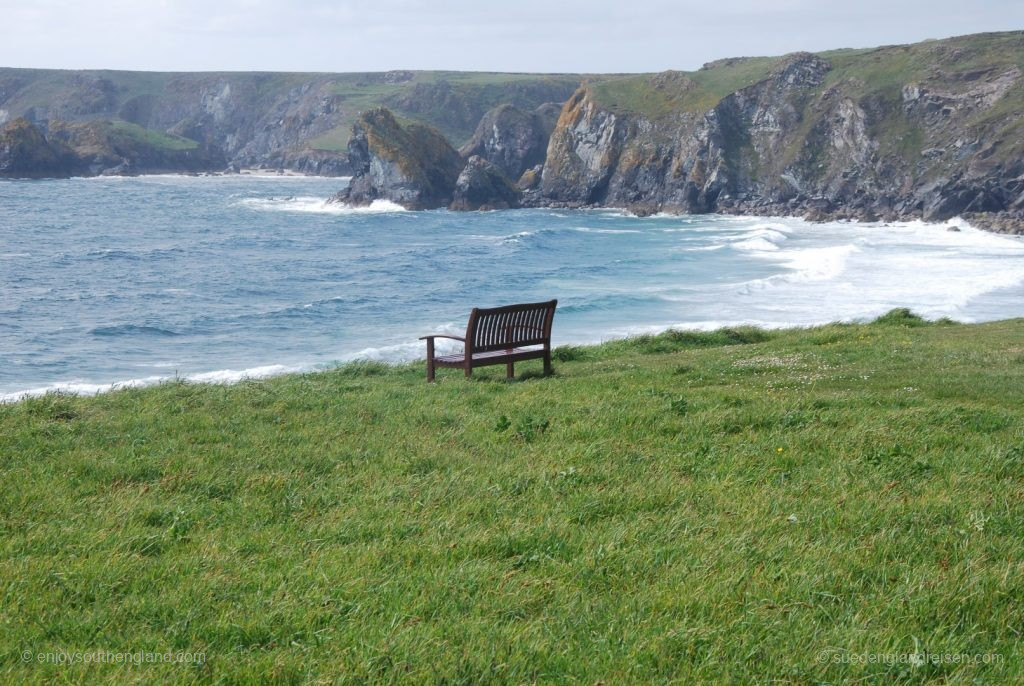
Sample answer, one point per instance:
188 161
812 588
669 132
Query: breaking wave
317 206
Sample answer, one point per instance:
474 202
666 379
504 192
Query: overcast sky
484 35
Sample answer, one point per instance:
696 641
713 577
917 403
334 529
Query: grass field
839 504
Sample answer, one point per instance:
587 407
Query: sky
473 35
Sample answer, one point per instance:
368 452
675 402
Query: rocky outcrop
26 153
482 185
97 147
313 162
897 132
511 139
270 120
455 106
412 164
105 147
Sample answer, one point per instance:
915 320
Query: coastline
228 377
815 211
406 353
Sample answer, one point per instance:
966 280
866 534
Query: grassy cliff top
874 70
738 506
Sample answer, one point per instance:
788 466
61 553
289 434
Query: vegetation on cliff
740 506
300 120
25 152
407 163
926 130
97 147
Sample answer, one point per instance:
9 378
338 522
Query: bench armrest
443 335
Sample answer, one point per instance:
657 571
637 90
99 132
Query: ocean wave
699 248
132 330
220 376
587 229
610 301
761 239
133 255
806 265
317 206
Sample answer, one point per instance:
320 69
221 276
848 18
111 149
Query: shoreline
252 173
1007 223
230 377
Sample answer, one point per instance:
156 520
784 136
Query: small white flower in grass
978 521
792 519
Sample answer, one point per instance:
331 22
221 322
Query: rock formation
930 130
25 153
482 185
512 139
412 164
269 120
96 147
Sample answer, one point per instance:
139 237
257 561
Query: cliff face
25 152
930 130
483 186
511 139
96 147
103 147
412 165
276 120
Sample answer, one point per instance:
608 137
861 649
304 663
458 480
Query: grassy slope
663 508
884 70
159 140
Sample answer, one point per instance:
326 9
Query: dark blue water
117 280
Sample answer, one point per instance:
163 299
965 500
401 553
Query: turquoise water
131 280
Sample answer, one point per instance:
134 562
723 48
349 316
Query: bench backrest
499 328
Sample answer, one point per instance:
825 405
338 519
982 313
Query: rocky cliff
511 139
25 152
930 130
272 120
97 147
410 164
482 185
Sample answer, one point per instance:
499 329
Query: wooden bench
499 335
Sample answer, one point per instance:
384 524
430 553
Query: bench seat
499 335
491 357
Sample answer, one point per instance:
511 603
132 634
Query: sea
125 281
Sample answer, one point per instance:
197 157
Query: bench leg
430 360
510 370
547 363
469 372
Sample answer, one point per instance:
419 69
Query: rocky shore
929 131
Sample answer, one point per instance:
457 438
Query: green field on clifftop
833 504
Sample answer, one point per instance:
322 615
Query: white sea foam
811 274
700 248
586 229
317 206
221 376
761 239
